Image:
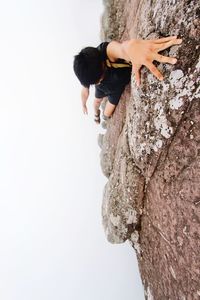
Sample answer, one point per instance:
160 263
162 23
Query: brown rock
151 152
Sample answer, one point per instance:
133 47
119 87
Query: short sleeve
102 48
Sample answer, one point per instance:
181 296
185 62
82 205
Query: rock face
151 151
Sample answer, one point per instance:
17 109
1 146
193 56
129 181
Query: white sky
52 244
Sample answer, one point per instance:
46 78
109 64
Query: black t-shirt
117 75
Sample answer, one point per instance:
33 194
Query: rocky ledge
151 151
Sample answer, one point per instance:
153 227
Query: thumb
136 71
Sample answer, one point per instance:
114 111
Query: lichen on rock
151 151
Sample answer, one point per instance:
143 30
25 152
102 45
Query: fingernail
174 61
161 77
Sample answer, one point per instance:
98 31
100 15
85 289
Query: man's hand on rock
144 52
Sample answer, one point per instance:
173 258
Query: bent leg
109 109
97 102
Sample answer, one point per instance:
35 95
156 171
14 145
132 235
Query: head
88 66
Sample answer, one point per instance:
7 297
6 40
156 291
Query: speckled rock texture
151 151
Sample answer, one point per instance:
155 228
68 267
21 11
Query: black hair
88 66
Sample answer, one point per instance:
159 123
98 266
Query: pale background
52 244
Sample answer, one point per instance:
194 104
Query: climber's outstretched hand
148 51
143 53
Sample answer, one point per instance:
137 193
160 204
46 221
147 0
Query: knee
109 109
107 114
97 101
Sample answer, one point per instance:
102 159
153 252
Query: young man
109 67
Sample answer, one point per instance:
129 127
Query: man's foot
104 125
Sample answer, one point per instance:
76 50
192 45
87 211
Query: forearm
116 50
84 95
128 50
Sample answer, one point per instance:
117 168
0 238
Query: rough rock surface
151 151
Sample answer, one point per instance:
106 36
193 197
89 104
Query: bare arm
143 52
84 97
